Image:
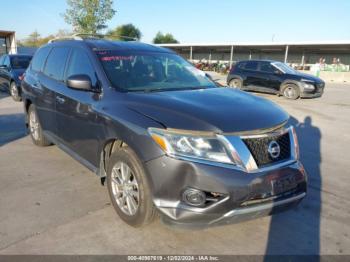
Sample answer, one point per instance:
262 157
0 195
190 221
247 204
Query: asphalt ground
50 204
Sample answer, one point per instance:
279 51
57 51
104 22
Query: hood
214 109
309 77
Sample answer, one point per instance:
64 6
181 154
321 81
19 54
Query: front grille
258 147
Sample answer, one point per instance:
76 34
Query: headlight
308 86
198 145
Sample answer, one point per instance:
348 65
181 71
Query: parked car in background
161 134
12 68
274 77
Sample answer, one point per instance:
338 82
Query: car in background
12 68
274 77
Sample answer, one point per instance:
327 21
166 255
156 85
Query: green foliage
88 16
127 32
164 39
35 39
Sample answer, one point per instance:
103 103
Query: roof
103 44
6 33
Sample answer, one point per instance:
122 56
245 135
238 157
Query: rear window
55 63
39 58
20 62
253 65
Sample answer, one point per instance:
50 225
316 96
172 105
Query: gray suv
161 135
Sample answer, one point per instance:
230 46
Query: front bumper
318 92
243 195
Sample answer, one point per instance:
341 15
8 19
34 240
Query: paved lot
50 204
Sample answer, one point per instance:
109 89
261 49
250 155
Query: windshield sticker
117 58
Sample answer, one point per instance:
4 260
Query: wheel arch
234 77
289 81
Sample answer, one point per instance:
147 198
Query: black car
274 77
162 136
12 68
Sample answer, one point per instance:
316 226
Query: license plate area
283 184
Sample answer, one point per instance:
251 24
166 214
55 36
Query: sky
195 21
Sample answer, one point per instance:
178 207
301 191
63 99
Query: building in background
8 42
332 55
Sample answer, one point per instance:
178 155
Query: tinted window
267 67
7 61
39 58
253 65
79 64
20 62
55 62
2 60
241 65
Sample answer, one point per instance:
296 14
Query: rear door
77 122
251 74
48 82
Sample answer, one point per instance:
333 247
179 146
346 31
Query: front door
77 123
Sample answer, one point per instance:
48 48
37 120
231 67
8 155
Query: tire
14 92
35 130
290 91
235 83
129 191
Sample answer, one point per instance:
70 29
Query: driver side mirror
215 81
80 82
277 72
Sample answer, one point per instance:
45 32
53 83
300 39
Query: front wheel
128 188
235 83
14 91
291 91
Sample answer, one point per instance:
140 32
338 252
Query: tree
33 38
127 32
88 16
164 39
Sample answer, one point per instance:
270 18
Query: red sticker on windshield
116 58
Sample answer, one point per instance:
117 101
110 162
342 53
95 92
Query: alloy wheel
34 125
125 188
14 91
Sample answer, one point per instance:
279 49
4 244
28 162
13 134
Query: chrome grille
258 147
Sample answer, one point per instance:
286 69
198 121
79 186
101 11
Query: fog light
194 197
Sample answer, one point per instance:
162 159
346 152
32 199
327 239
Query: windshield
148 71
285 68
20 62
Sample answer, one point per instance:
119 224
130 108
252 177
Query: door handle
60 100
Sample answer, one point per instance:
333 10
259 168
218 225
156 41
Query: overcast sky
198 20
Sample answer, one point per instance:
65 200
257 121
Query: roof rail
82 36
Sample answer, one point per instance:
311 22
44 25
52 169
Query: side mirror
215 81
80 82
277 72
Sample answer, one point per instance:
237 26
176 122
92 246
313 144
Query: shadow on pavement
297 232
12 127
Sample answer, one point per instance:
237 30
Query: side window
79 64
56 62
7 61
241 65
253 65
2 58
266 67
39 59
